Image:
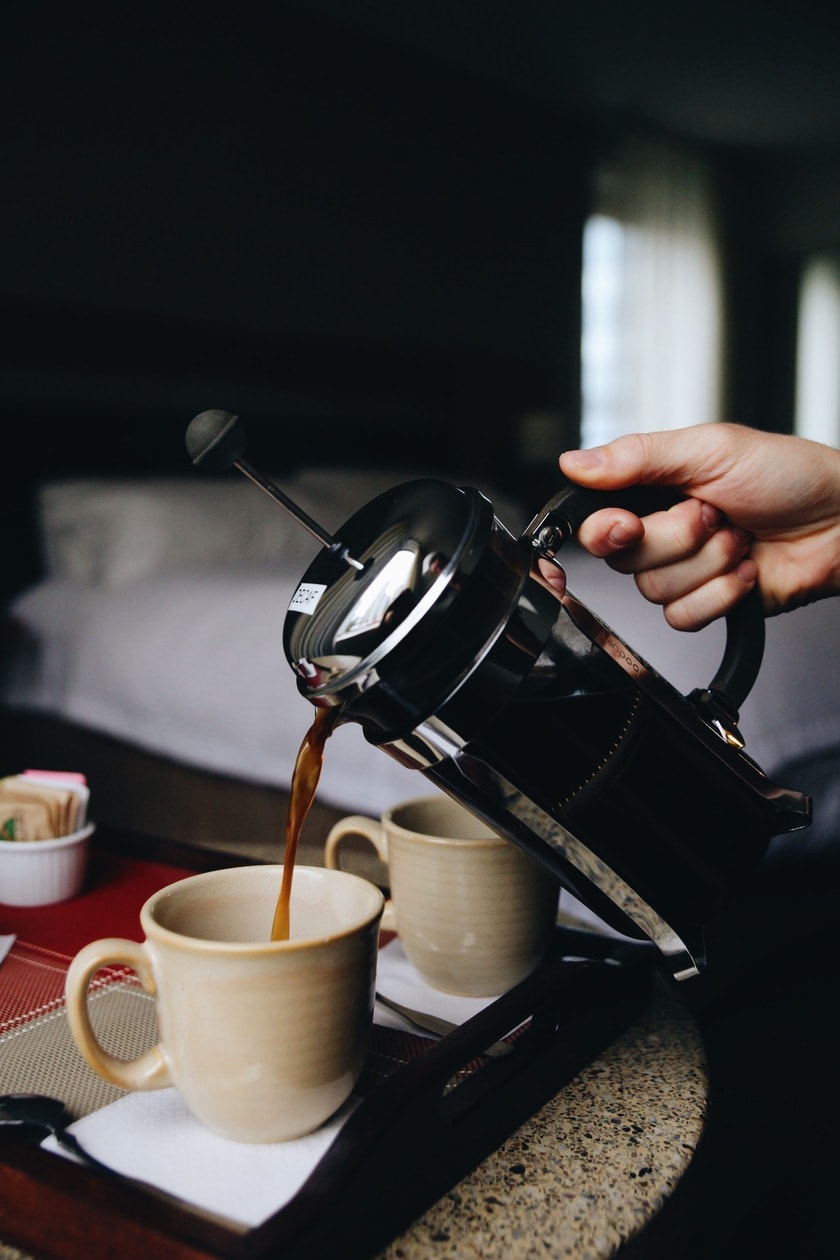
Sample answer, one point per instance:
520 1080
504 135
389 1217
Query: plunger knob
215 440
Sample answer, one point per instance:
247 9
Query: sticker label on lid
307 597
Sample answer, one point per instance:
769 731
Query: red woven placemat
32 975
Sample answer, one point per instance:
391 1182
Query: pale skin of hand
761 508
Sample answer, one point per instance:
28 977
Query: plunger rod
303 518
216 441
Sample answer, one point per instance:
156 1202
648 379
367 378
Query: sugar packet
40 807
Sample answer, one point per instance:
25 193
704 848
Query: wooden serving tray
416 1132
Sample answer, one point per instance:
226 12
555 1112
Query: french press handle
566 511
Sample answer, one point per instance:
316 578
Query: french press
424 622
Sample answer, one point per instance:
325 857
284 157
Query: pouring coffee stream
305 776
424 623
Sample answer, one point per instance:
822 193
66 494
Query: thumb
676 457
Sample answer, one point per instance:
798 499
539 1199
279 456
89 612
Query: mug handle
149 1070
369 829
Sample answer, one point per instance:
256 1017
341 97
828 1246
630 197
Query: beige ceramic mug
474 913
263 1039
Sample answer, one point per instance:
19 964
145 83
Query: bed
149 656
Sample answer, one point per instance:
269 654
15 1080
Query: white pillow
111 532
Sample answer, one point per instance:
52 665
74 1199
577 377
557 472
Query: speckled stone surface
589 1170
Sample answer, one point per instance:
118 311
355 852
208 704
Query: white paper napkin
6 943
152 1136
396 978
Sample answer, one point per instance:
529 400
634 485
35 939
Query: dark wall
779 209
273 179
216 205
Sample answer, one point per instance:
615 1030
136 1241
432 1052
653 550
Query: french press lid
437 578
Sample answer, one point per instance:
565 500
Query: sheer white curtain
652 295
817 413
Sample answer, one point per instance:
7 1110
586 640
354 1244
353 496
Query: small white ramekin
40 872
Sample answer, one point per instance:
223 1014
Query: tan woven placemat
40 1056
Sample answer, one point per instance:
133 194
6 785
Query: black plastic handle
566 511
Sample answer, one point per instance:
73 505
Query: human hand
760 507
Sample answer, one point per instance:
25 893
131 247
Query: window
651 295
817 404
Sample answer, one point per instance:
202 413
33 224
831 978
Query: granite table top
593 1166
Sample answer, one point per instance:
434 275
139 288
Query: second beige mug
474 913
